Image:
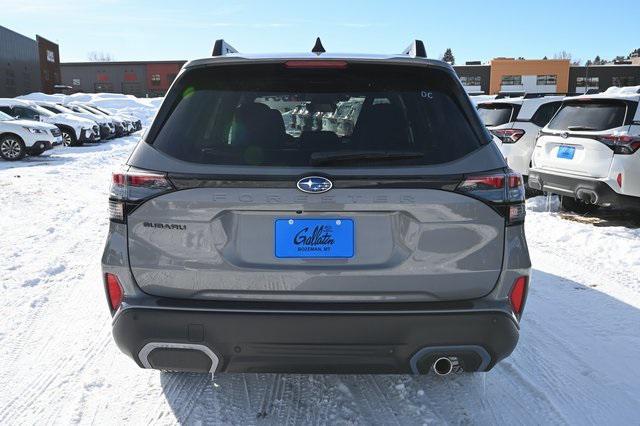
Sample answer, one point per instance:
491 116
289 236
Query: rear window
271 115
589 116
495 114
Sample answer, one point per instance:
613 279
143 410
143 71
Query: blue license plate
566 152
314 238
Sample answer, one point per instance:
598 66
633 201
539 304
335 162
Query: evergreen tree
448 57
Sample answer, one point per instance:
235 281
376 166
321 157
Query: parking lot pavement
576 362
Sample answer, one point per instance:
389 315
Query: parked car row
32 127
583 148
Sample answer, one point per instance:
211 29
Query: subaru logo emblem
564 135
314 184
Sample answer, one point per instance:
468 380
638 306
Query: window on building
588 82
547 80
471 80
623 81
51 56
512 80
155 79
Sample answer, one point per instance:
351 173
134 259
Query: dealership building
142 79
27 65
516 76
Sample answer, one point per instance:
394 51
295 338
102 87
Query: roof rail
416 49
221 48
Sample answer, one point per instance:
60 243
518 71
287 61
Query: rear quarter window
268 115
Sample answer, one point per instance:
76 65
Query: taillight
114 291
621 144
508 135
129 188
503 191
518 294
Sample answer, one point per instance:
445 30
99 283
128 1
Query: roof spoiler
416 49
542 95
221 48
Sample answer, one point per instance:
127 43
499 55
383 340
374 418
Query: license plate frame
314 238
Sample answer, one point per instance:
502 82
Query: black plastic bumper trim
302 342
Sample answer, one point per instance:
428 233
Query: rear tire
576 206
69 138
12 148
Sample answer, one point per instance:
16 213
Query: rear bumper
218 340
592 190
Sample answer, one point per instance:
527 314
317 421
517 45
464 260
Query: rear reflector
114 290
316 64
518 293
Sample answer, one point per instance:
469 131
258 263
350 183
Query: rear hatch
248 209
578 139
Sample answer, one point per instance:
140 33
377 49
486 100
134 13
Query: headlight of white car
32 129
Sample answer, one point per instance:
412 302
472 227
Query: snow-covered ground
577 361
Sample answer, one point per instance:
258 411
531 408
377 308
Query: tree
448 56
619 58
562 55
96 56
634 53
521 58
598 61
545 58
588 63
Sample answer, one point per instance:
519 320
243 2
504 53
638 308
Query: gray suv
239 245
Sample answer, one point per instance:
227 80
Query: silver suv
237 244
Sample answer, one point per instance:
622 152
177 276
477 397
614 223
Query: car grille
56 132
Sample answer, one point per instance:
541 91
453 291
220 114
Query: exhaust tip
443 366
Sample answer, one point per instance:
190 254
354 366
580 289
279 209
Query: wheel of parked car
69 138
12 148
577 206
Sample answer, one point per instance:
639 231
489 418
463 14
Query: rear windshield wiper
578 128
324 158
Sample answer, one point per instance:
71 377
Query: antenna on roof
221 48
416 49
318 48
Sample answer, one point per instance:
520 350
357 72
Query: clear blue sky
186 29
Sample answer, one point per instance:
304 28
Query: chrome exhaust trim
143 355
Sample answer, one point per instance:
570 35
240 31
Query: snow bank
117 103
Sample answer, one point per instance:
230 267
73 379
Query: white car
516 122
25 137
126 120
106 129
75 130
120 126
135 121
589 152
